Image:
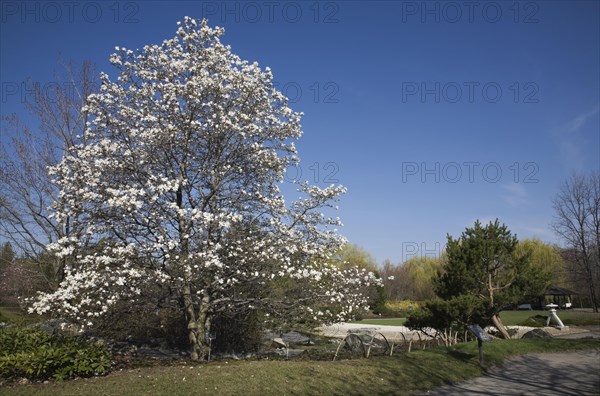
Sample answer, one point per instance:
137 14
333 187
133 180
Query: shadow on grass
462 356
404 373
570 374
433 368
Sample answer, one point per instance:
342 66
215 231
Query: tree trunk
593 296
198 326
192 325
495 318
589 271
203 326
500 326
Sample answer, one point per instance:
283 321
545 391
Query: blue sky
432 114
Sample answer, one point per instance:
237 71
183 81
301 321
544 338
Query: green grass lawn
571 317
383 322
514 318
401 374
17 315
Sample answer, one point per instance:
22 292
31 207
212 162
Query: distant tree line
577 223
413 279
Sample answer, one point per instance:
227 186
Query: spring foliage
36 355
178 185
484 272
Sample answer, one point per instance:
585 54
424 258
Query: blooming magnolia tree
178 184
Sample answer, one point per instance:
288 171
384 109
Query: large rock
52 327
279 343
536 334
294 336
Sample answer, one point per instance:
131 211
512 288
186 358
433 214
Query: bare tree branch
27 190
577 223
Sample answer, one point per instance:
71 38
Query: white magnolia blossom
178 184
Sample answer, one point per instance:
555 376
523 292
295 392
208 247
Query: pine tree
484 263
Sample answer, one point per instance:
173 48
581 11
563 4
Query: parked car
523 307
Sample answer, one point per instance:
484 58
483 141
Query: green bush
237 333
535 321
143 324
35 355
452 315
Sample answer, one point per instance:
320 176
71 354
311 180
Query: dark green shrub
383 311
453 314
237 333
14 340
535 321
378 301
143 324
36 355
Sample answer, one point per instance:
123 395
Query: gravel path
574 373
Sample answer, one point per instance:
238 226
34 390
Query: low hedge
38 356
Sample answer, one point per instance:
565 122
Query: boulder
279 343
536 334
51 327
294 336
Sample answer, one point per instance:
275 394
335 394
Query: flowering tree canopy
178 185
